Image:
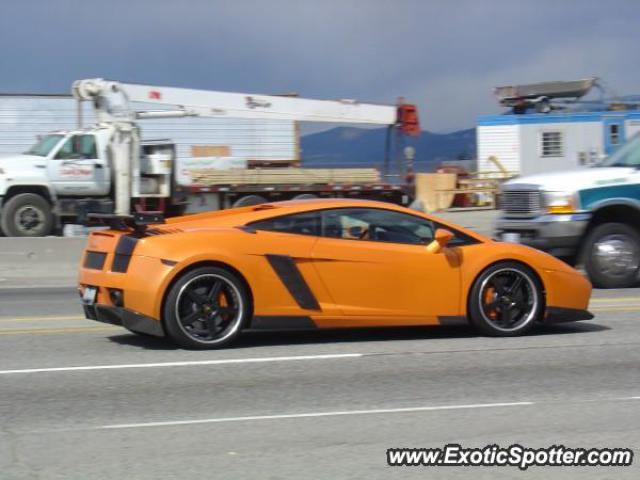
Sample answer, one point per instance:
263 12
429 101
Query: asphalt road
306 405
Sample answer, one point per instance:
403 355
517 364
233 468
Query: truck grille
521 202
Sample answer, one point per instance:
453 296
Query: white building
545 142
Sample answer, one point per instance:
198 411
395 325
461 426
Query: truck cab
75 162
589 216
60 165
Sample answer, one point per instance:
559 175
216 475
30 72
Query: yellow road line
615 299
41 319
38 331
88 329
616 309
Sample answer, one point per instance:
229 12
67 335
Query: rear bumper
560 315
125 318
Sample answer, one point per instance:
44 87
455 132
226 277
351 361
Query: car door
287 276
75 168
374 263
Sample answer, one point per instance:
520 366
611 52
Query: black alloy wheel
506 300
206 308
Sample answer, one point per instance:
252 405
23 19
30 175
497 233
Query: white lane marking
315 415
183 364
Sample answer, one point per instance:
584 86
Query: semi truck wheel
305 196
612 255
26 215
249 200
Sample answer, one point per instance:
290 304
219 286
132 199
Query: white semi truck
107 168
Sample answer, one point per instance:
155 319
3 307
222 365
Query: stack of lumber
295 176
434 190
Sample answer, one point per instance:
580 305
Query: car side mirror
440 240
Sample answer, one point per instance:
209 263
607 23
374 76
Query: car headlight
560 202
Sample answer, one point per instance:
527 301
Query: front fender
564 286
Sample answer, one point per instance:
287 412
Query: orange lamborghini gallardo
202 279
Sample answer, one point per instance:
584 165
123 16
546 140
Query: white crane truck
108 169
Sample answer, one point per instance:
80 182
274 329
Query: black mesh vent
95 260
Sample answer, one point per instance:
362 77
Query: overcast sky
445 55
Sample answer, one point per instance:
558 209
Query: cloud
444 55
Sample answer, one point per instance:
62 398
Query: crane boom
112 100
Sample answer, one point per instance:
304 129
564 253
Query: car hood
573 180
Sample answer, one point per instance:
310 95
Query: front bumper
557 234
123 317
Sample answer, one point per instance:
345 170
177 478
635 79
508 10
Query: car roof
241 216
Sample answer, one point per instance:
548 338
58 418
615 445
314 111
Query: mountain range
363 147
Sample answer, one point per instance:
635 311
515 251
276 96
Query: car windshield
44 145
627 156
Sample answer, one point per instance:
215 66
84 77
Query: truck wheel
26 215
248 201
612 255
305 196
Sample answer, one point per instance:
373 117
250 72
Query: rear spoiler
138 221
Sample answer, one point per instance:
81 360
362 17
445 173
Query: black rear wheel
206 308
506 300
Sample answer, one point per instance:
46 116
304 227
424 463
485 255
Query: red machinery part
408 119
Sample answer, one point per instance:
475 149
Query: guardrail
53 261
45 262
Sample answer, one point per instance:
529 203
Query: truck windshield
44 145
627 156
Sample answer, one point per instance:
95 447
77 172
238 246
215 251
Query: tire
544 106
249 201
500 305
305 196
611 255
196 315
26 215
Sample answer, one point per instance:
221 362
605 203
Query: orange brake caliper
488 298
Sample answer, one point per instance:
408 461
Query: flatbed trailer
207 197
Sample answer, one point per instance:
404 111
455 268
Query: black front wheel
26 215
206 308
506 300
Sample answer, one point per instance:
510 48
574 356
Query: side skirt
454 321
282 323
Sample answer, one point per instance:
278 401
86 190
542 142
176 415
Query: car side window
306 223
376 224
78 147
